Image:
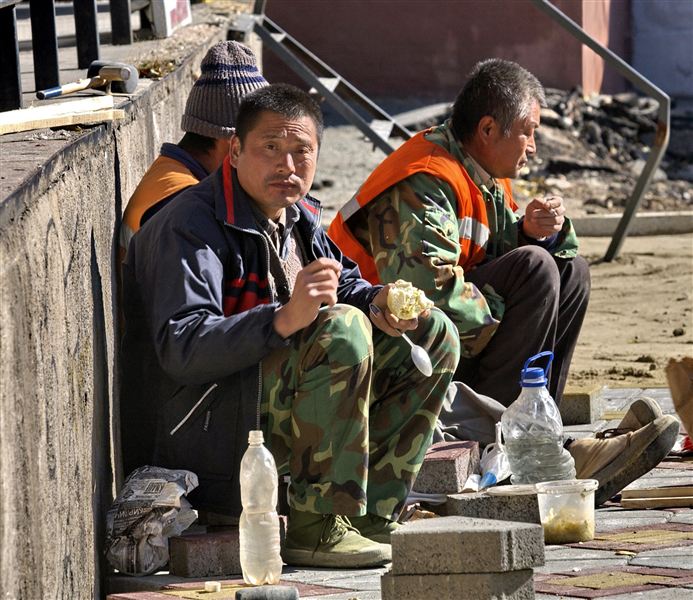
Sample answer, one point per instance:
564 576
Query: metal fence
45 41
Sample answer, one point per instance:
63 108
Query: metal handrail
661 140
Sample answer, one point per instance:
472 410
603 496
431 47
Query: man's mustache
283 180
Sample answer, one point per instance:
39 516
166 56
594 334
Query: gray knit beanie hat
229 72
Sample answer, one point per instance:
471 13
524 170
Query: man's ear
486 128
234 150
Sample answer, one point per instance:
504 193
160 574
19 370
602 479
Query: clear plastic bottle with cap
533 430
259 523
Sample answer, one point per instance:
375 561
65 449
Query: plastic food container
566 509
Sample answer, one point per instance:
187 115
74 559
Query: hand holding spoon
419 356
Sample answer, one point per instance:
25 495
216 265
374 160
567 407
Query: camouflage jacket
411 232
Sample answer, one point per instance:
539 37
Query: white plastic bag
494 463
148 510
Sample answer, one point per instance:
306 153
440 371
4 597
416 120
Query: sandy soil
640 312
641 307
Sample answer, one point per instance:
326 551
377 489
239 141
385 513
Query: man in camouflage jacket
439 212
241 314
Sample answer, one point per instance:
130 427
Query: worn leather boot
615 462
641 412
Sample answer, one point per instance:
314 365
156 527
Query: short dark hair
282 98
498 88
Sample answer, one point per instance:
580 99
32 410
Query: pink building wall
421 48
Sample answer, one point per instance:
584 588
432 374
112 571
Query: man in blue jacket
242 314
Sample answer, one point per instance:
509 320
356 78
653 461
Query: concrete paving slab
676 593
661 478
609 582
375 595
673 558
686 517
565 558
611 393
513 585
641 539
482 505
466 545
206 554
619 518
356 579
581 405
578 566
575 553
446 467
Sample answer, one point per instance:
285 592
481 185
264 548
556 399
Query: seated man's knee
541 266
580 275
347 328
441 338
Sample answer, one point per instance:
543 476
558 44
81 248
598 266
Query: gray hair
498 88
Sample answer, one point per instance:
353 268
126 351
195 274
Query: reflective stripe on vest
472 230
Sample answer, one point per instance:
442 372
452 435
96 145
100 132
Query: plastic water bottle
259 524
533 431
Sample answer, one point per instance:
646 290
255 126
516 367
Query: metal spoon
419 356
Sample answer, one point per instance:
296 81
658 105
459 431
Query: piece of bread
405 301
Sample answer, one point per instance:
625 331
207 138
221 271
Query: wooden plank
663 502
658 492
75 112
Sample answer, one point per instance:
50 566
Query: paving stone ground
659 568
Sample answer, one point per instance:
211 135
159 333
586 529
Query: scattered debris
645 358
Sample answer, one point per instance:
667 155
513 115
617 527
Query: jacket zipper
259 366
271 297
193 409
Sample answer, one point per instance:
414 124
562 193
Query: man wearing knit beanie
228 72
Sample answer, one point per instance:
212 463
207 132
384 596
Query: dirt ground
641 306
640 312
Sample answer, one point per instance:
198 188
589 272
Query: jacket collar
175 152
232 203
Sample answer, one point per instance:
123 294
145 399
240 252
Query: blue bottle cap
487 480
533 377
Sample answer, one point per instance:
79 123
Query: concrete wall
407 48
58 349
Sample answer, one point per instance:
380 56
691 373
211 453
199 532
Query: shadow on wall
102 474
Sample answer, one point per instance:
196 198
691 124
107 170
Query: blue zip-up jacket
198 321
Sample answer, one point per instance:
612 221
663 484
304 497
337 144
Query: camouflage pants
348 416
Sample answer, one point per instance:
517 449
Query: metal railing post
121 25
10 74
87 32
663 118
44 44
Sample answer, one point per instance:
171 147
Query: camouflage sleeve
413 234
564 246
567 242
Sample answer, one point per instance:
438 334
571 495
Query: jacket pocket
196 432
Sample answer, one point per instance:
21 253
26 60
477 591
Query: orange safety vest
165 177
419 155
